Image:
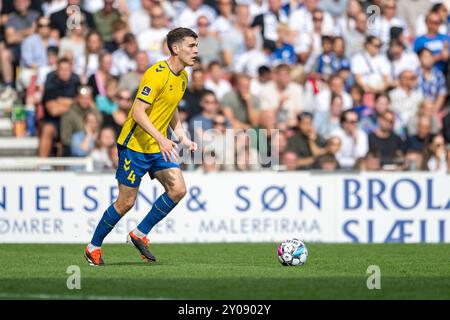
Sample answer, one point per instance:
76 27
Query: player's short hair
177 35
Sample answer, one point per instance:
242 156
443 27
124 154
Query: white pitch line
45 296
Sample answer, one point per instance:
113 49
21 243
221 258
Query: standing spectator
209 47
83 142
72 121
215 81
306 143
151 39
431 80
19 25
132 79
406 98
193 94
59 91
59 19
97 80
240 106
371 69
354 140
384 142
434 41
283 96
268 21
124 59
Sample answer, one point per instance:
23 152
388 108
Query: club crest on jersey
146 91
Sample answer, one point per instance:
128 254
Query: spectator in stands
327 121
252 58
151 39
73 44
283 96
435 155
34 51
97 80
124 59
88 63
59 20
52 62
216 81
189 14
194 92
284 52
335 86
305 142
346 22
264 76
246 156
356 37
406 98
72 121
381 27
267 22
120 29
240 106
139 20
132 79
101 154
83 142
323 63
422 139
118 117
210 162
354 140
400 60
104 19
384 142
434 41
328 160
371 69
302 19
425 109
209 47
19 25
289 160
59 91
411 13
431 80
107 104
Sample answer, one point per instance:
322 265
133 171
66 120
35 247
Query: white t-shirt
369 67
381 28
151 41
188 17
250 61
219 89
323 101
301 21
302 45
350 151
407 61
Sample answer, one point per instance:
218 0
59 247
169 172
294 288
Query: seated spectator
215 81
284 52
323 63
264 76
124 58
371 69
131 80
414 160
83 142
240 106
209 46
339 60
289 160
400 59
406 98
104 19
72 121
58 20
88 63
73 44
283 96
118 117
332 147
305 142
420 141
97 80
431 80
19 24
194 92
384 142
326 121
107 104
60 90
354 140
425 109
102 150
335 87
247 158
252 57
435 159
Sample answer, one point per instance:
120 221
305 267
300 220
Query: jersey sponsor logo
146 91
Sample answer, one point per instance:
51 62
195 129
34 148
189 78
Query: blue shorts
134 165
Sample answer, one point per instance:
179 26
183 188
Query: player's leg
175 189
125 201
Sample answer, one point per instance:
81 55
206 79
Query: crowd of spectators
336 84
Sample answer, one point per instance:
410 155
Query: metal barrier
44 164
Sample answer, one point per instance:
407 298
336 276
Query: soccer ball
292 252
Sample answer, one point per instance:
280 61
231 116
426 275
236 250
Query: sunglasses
351 121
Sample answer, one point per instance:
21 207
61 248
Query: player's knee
125 204
177 193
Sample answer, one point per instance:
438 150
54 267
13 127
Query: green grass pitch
227 271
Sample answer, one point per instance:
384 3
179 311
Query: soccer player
143 146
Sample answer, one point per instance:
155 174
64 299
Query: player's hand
168 149
191 145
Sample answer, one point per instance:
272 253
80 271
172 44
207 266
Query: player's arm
177 127
140 116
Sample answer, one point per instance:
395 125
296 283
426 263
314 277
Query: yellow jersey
163 89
